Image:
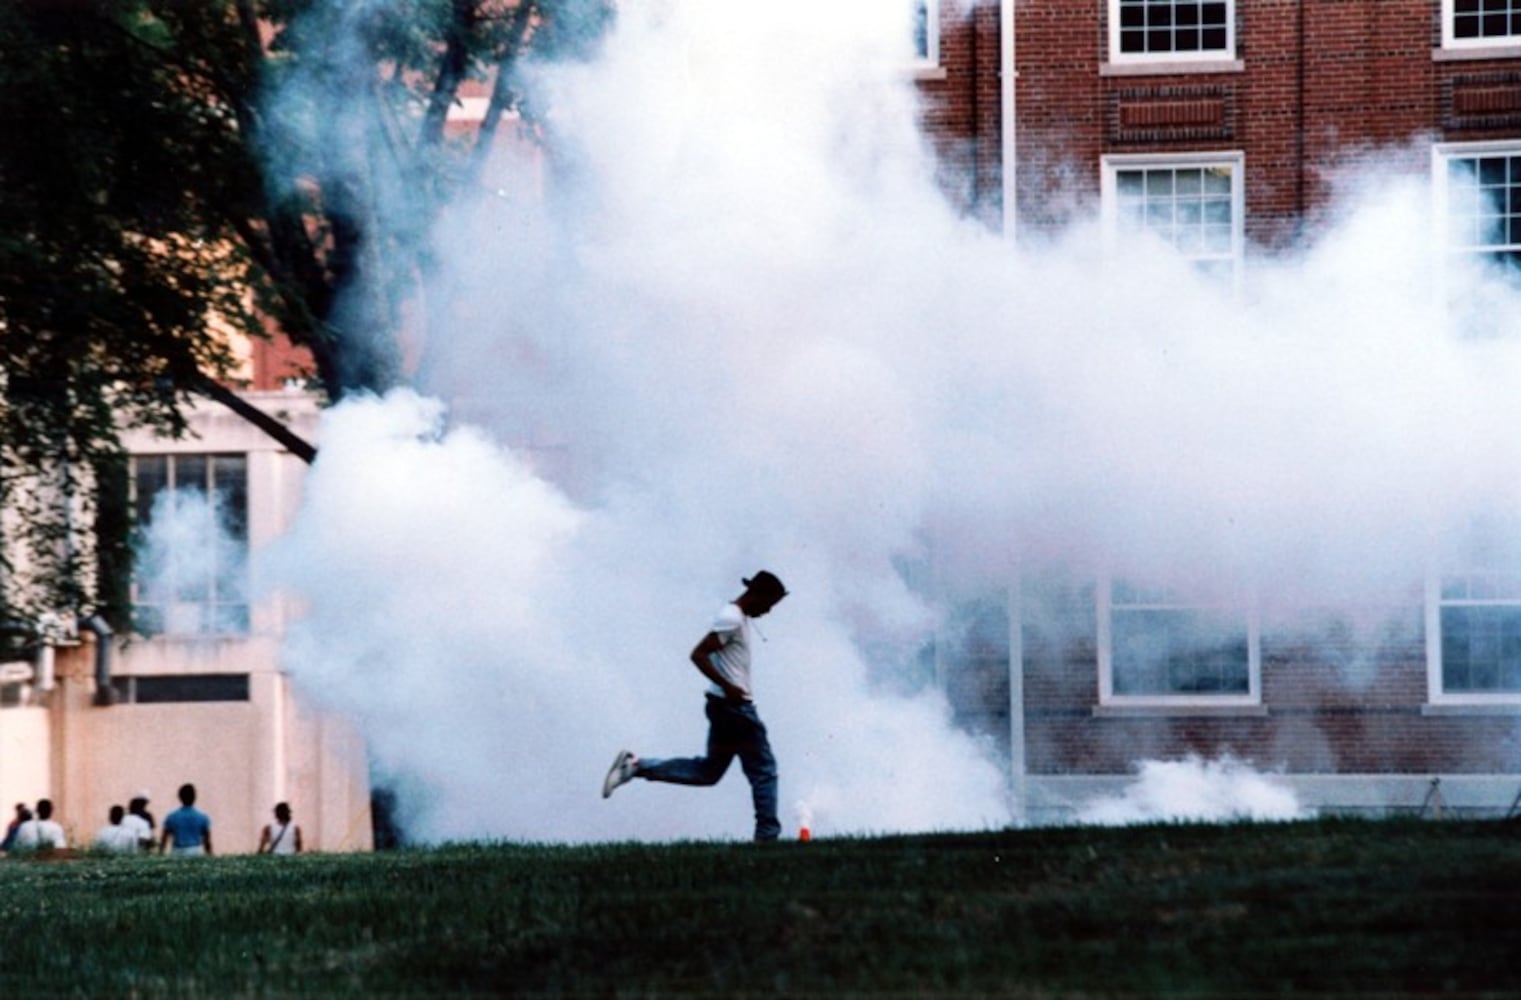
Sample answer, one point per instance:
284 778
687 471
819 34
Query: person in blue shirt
187 827
22 815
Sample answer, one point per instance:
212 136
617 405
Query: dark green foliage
161 165
1362 908
108 271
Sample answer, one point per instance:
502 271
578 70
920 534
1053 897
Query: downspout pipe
1007 76
96 626
44 673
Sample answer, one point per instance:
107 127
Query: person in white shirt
116 836
41 832
140 821
734 727
282 836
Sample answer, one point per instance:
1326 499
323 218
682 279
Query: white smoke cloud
743 328
500 643
1199 791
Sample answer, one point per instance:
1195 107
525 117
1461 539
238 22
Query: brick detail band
1482 100
1171 114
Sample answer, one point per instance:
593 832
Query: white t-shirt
39 833
137 827
282 839
732 661
117 837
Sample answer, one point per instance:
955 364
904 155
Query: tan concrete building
90 719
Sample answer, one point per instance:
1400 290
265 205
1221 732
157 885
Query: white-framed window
191 544
1480 23
926 32
1193 202
1478 197
1171 30
1473 622
1158 646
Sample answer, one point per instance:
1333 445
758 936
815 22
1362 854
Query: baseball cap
766 583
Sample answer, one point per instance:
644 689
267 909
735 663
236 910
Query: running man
734 727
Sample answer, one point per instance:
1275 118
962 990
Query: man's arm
701 658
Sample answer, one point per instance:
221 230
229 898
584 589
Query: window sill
1200 67
927 71
1170 711
1476 53
1472 708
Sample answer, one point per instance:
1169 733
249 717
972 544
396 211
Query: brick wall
1324 87
962 113
1323 90
1060 109
1335 700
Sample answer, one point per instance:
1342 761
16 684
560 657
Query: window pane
1484 205
229 481
1159 183
1489 19
1179 652
1217 211
151 477
1164 26
188 687
190 472
1190 207
1481 649
191 551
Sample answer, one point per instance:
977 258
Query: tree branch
451 71
503 96
293 442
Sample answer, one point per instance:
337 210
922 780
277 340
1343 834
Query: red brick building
1217 124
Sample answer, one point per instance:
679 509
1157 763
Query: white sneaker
621 773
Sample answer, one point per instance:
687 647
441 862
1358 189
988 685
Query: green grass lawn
1372 908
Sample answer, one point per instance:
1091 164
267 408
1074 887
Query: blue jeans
734 730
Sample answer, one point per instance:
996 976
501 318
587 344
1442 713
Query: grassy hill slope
1393 907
